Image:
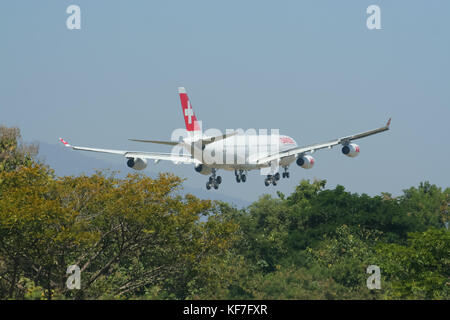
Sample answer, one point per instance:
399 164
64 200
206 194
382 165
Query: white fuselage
240 152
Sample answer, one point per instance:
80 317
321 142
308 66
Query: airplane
243 151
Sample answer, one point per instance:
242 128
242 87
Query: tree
130 237
346 257
13 152
428 203
289 283
36 232
420 269
264 226
315 213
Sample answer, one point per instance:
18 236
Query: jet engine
200 168
306 162
137 163
350 150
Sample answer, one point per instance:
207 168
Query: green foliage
321 213
265 228
329 230
345 257
127 235
34 228
13 153
421 268
428 203
290 283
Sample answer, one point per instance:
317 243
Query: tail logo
190 120
188 112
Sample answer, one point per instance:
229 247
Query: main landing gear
241 176
272 179
213 181
285 174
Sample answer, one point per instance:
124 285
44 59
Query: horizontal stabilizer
205 140
170 143
217 138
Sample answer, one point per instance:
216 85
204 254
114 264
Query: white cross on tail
188 112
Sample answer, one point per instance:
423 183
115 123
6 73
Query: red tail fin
188 113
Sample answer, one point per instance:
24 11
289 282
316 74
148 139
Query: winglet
64 142
388 123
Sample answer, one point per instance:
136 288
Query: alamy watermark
73 22
374 281
373 22
74 279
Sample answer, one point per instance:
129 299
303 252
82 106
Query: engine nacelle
137 163
350 150
306 162
203 169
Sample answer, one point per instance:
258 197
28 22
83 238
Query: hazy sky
309 68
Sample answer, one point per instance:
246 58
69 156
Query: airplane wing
312 148
157 156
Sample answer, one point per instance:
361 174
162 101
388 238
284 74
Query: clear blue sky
309 68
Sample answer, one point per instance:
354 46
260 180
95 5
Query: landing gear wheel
286 173
213 181
240 176
271 179
283 175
